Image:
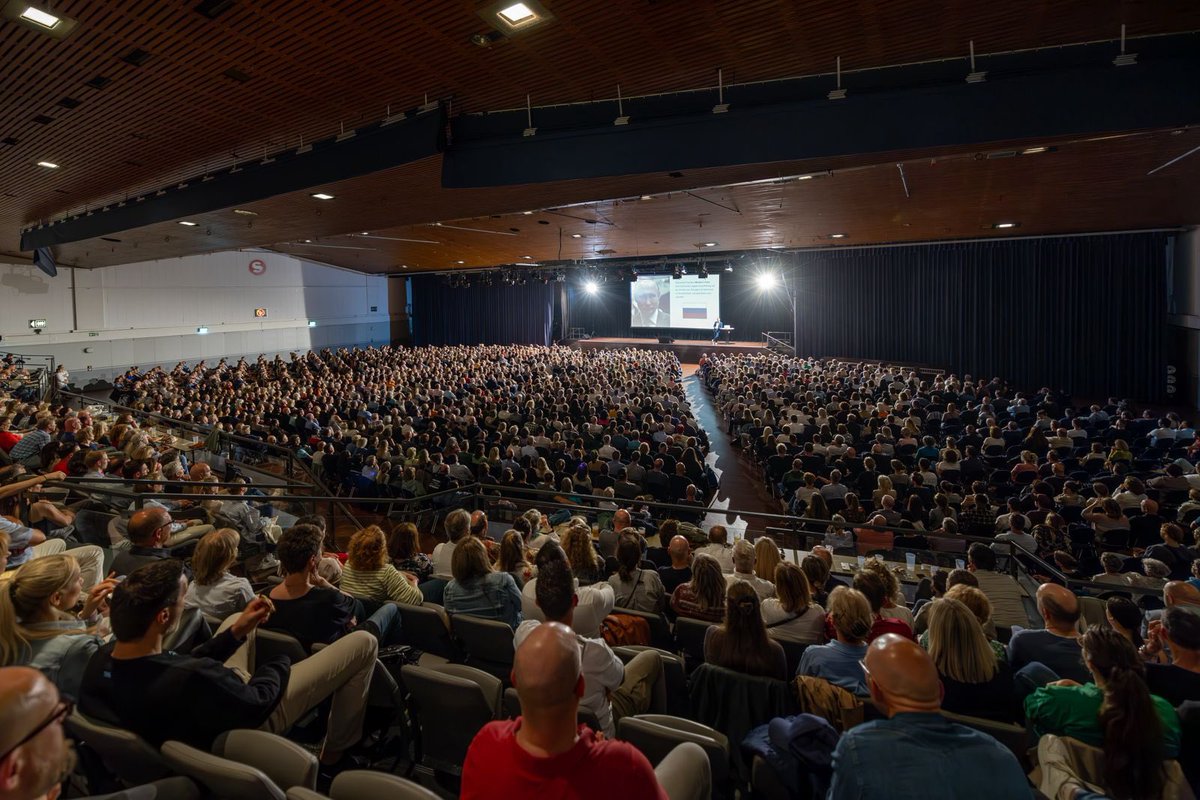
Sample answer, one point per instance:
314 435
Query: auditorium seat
245 765
512 710
427 628
689 633
124 754
656 735
1015 737
449 705
487 643
363 784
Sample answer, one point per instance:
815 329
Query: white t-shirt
441 557
595 603
807 628
763 588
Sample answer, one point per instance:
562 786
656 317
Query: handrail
778 341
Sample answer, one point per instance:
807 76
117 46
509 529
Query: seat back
660 631
426 628
794 651
91 527
365 784
1092 610
191 631
1014 737
222 777
450 705
674 680
269 643
689 634
282 760
127 755
488 644
656 735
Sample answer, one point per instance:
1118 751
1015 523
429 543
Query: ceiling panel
313 64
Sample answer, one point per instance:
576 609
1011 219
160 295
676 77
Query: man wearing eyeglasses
35 756
149 530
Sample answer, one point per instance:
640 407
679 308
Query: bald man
34 755
612 534
546 751
1035 654
680 570
149 531
916 752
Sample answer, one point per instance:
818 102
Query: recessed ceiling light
804 178
517 13
189 224
308 241
645 197
1003 225
837 236
366 233
576 235
47 164
322 196
39 17
527 213
245 212
1028 151
460 262
710 244
526 256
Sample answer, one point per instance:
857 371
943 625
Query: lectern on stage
723 333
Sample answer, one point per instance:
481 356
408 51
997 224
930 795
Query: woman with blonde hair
766 558
885 487
974 682
839 662
213 590
791 614
39 626
369 574
581 554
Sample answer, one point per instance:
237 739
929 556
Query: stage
687 350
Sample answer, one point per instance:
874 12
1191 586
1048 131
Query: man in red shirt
546 753
7 437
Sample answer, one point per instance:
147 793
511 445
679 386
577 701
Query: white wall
147 313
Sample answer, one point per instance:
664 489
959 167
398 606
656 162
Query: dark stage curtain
743 306
480 314
1083 314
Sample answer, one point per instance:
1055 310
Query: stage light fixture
590 286
766 281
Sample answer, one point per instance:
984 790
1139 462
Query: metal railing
235 449
41 372
780 342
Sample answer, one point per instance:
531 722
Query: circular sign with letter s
257 267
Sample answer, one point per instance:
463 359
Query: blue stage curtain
480 314
1082 314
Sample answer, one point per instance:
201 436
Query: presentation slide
660 301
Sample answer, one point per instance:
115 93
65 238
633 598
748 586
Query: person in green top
1136 729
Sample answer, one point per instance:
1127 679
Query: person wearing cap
915 751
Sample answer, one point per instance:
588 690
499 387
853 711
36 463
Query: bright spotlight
591 287
767 281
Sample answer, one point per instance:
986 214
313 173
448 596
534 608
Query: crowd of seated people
410 421
1112 705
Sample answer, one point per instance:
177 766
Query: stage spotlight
590 286
767 281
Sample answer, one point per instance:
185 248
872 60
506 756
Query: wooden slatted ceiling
313 63
1081 187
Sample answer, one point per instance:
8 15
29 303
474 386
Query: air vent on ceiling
136 57
213 8
11 141
606 252
69 102
42 119
99 82
235 74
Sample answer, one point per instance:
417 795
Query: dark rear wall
1085 314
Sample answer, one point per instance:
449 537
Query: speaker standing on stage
717 331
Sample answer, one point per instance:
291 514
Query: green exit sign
93 333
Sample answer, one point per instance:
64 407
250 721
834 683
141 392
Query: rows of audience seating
222 647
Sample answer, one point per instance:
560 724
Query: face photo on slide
651 303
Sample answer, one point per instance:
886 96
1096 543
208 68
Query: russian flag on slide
695 313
